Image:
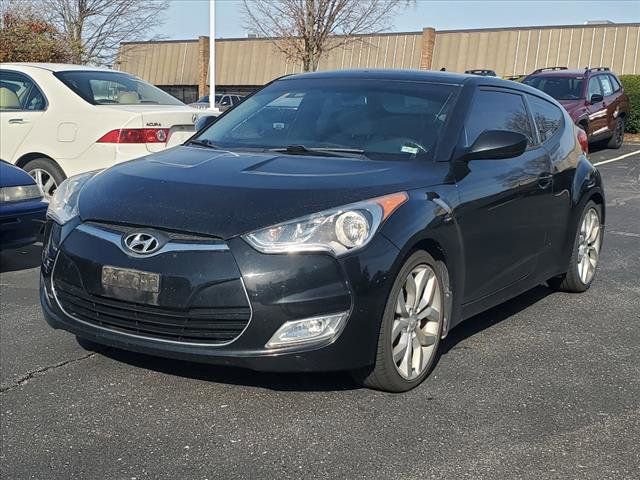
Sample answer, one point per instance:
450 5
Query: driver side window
594 87
497 110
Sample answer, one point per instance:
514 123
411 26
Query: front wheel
411 327
585 254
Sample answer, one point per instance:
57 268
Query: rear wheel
46 174
411 327
617 138
585 254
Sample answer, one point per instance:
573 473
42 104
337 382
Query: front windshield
109 87
560 88
380 119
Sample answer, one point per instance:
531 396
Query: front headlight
64 203
20 193
338 230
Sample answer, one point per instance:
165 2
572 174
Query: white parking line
621 157
624 234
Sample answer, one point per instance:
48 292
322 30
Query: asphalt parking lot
545 386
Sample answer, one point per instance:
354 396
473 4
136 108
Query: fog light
309 330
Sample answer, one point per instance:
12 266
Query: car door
611 101
550 123
597 111
21 105
500 218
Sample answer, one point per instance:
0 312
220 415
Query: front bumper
279 288
21 223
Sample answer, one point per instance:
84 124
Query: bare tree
94 29
305 30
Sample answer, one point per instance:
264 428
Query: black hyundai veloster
332 221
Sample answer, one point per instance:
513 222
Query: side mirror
596 98
204 121
496 144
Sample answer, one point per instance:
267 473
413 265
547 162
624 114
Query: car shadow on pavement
21 258
303 382
491 317
313 382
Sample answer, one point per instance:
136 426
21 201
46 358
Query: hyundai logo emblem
141 243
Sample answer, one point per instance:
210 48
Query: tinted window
226 101
615 83
387 120
594 87
19 92
547 116
607 88
560 88
107 88
493 110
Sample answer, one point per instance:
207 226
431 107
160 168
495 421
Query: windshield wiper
322 151
202 143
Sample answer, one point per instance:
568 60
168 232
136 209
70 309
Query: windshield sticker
408 149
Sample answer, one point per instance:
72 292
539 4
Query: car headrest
128 97
8 98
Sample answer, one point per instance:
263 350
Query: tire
617 139
422 348
46 173
573 281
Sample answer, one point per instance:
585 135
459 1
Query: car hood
571 104
11 176
224 194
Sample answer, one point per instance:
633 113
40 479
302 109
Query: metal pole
212 53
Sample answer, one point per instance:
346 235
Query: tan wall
257 61
517 52
507 51
161 63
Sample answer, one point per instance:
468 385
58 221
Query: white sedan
61 120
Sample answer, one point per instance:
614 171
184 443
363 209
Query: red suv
594 98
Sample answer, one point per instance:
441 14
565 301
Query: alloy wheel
417 321
45 180
589 246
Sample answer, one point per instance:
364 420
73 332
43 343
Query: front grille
195 325
170 235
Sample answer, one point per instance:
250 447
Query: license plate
130 279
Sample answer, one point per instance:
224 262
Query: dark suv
594 97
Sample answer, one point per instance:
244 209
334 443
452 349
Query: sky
187 19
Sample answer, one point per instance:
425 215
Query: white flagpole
212 53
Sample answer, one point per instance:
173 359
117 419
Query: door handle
545 180
17 121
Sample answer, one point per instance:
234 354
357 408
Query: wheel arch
428 222
598 198
27 157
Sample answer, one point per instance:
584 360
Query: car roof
380 74
53 67
561 73
433 76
